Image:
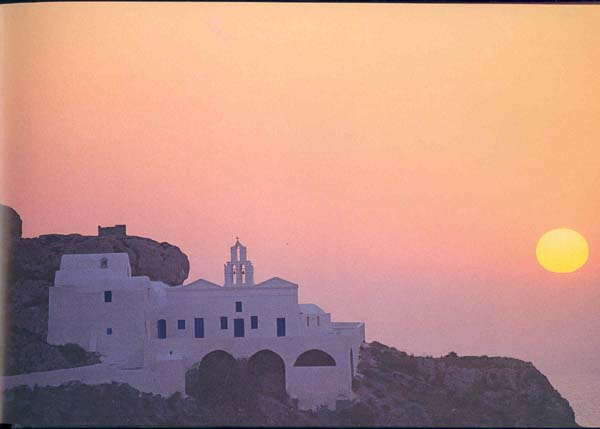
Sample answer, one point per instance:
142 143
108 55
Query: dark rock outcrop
392 389
39 258
31 266
402 390
11 224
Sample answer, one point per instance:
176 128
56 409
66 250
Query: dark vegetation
29 352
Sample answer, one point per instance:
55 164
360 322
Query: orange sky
397 161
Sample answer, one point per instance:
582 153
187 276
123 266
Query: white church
151 335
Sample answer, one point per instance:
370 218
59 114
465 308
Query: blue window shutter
238 306
254 322
224 322
199 327
108 331
281 326
107 296
181 324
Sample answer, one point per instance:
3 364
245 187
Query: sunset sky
398 161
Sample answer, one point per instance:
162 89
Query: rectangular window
281 326
161 328
318 321
181 324
238 306
238 328
108 331
307 321
199 328
224 322
254 322
107 296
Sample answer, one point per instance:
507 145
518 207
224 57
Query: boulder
39 258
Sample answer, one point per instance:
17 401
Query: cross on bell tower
239 270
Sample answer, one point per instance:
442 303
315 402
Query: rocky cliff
398 389
31 266
391 389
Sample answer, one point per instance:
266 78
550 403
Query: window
181 324
108 331
307 321
318 321
103 263
199 327
254 322
161 327
224 322
281 326
238 328
107 296
238 306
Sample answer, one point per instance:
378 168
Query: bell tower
239 270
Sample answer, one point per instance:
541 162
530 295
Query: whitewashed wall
78 314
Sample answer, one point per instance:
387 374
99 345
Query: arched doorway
266 371
315 357
212 379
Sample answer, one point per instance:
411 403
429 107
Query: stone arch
213 378
315 357
266 370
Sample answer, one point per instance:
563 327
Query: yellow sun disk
562 250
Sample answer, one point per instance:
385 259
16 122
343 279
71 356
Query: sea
583 393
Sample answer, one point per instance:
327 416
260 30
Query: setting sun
562 250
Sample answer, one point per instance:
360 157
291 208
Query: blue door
238 327
162 328
281 326
199 328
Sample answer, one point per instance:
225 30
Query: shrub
74 354
361 415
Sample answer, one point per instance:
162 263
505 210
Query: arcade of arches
219 378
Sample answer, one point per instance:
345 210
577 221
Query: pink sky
397 161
